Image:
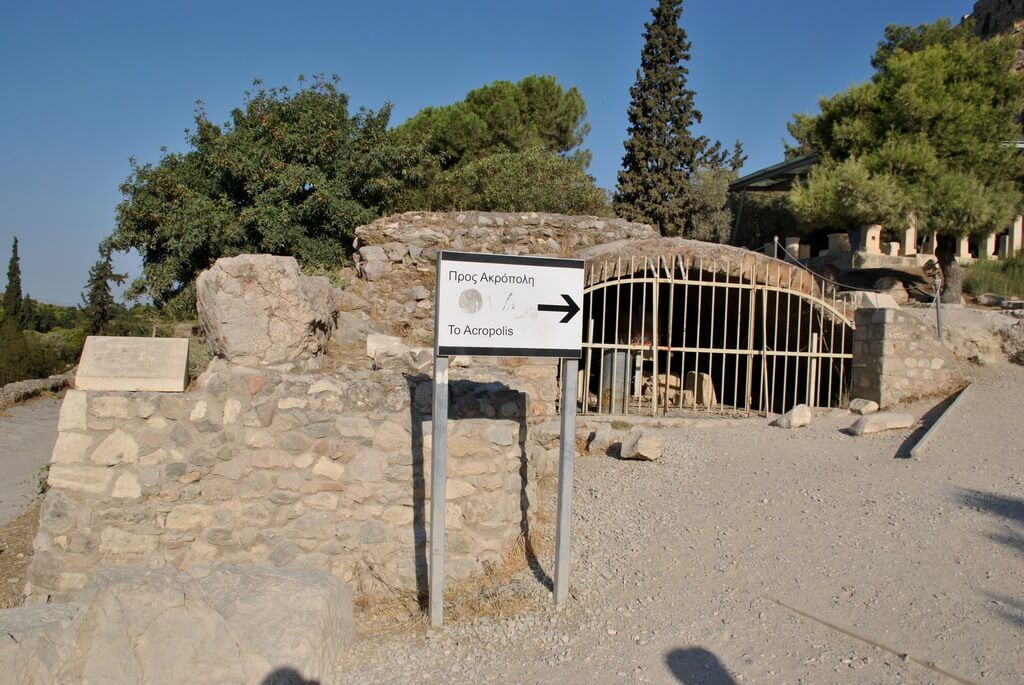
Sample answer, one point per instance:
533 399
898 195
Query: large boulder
225 625
259 309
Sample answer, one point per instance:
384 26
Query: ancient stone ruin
303 450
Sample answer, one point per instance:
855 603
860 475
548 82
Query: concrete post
963 250
1016 236
928 246
838 243
908 241
792 245
1003 249
870 239
987 247
892 249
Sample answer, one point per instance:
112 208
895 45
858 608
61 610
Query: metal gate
667 336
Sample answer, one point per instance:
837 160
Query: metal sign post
504 306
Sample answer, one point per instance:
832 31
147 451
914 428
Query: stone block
133 364
71 448
186 516
73 412
260 309
38 643
92 480
117 447
328 469
643 445
876 423
797 417
862 406
235 624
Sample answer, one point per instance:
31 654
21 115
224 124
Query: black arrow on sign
570 308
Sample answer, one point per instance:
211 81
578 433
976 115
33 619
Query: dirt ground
752 554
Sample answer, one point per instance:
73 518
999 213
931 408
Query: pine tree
12 296
99 305
662 154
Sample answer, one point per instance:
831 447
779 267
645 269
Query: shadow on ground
286 676
1012 510
466 400
924 425
697 666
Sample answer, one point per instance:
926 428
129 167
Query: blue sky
87 85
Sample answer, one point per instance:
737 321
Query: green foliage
931 128
764 215
291 173
846 195
99 307
42 317
1004 277
21 357
659 182
535 113
12 294
519 181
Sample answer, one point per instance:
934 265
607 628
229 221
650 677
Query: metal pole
565 470
938 305
438 452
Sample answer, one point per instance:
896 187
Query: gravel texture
751 554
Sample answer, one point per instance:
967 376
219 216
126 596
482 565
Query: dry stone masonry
897 358
306 443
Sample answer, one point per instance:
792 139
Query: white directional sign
509 306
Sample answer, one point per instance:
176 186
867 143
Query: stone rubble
883 421
797 417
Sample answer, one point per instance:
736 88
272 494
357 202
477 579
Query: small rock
876 423
797 417
863 407
989 300
644 445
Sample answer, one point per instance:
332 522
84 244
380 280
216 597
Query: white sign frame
543 305
524 306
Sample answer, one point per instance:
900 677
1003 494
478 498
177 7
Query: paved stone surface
27 435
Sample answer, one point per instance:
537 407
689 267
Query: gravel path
28 432
752 554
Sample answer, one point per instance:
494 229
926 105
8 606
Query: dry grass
504 591
15 554
1004 277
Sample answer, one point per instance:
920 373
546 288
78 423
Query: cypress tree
98 301
663 157
12 296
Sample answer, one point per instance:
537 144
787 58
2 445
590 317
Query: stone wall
396 255
897 358
328 471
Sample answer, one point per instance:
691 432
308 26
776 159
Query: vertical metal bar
615 350
643 330
671 329
700 329
655 316
797 346
812 381
766 389
685 273
842 362
590 356
566 462
628 366
831 348
736 345
785 366
438 452
726 319
750 337
604 329
711 343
